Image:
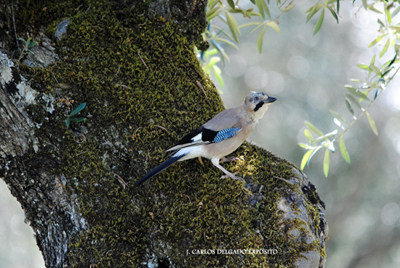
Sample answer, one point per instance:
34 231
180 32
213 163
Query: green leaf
319 23
337 116
274 26
231 4
363 66
289 7
303 145
375 69
385 48
375 41
333 14
337 6
77 119
312 11
260 39
233 26
213 61
348 105
343 150
260 6
356 92
372 124
67 121
217 73
326 162
213 13
388 16
305 158
314 128
326 136
353 100
228 42
77 109
308 135
395 11
364 2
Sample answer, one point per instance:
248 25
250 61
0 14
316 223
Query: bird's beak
270 100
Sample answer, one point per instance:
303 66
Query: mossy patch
139 77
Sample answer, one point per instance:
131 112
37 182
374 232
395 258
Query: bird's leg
215 162
228 159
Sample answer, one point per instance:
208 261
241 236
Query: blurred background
307 74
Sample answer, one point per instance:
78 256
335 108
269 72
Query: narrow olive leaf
303 145
337 6
395 11
356 92
353 100
232 26
371 7
260 6
348 105
326 162
312 11
266 9
372 124
217 73
319 23
337 116
274 26
375 69
333 14
228 42
363 66
343 150
67 121
231 4
364 2
372 60
260 39
388 16
385 48
375 41
308 135
305 158
77 109
314 128
212 13
289 7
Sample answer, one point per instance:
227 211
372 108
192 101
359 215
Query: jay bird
220 136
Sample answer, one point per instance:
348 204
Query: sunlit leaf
305 158
364 2
319 23
274 26
213 61
395 11
375 41
388 16
372 124
213 13
363 66
303 145
375 69
77 109
217 73
343 150
326 162
385 48
308 135
260 39
289 7
314 128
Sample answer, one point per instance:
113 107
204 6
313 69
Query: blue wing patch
226 134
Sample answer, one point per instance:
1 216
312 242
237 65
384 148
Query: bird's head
257 103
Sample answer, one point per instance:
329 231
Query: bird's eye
256 98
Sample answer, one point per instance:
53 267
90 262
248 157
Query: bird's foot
232 176
229 159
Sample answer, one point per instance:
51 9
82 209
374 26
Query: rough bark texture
133 64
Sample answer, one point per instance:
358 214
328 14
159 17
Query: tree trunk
134 66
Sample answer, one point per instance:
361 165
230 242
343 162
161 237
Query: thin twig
124 184
162 128
202 88
142 59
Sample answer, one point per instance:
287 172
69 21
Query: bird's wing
223 126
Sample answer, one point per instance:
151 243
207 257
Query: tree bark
135 68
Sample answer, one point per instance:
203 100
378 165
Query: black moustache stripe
258 106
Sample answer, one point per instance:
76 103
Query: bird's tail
160 168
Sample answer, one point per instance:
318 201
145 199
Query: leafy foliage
358 98
70 117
